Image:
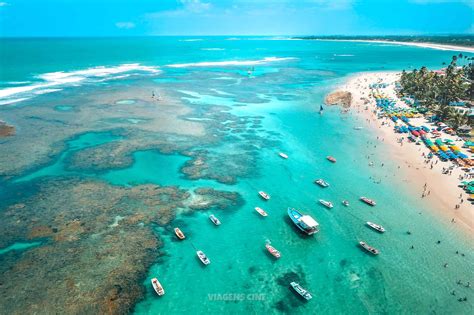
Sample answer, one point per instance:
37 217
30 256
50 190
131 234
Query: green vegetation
436 91
459 40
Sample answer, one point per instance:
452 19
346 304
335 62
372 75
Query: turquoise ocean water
289 82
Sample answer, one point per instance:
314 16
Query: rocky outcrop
6 130
342 98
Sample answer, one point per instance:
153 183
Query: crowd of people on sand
428 160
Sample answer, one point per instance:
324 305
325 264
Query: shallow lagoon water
281 100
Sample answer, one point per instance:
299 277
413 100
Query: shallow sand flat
444 191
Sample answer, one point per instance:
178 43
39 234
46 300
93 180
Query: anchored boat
345 203
203 258
321 182
368 248
368 201
331 158
264 195
304 222
272 250
376 227
179 233
325 203
157 287
261 211
299 289
283 155
214 219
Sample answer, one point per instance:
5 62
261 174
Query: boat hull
157 287
295 216
179 234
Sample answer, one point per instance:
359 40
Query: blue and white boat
304 222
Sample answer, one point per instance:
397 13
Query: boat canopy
309 221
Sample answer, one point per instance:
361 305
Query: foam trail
231 63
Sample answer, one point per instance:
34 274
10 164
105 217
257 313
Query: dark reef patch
6 130
100 244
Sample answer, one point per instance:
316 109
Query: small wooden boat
203 258
376 227
261 211
214 219
345 203
331 158
368 201
179 233
264 195
157 287
299 289
283 155
272 250
321 182
325 203
368 248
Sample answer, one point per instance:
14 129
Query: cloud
186 8
195 6
4 4
125 25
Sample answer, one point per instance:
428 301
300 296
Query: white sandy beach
444 193
422 45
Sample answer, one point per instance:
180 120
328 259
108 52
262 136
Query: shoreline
416 44
413 170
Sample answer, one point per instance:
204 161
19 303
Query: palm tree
457 119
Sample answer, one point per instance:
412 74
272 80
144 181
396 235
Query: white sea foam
49 82
231 63
191 40
45 91
13 100
213 49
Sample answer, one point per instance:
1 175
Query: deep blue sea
80 105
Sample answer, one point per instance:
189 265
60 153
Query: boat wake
53 81
231 62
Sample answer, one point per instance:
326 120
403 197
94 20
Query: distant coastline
460 44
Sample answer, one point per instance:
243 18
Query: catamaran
325 203
368 201
261 211
179 233
264 195
203 258
283 155
299 289
304 222
214 219
272 250
157 287
376 227
368 248
321 182
331 158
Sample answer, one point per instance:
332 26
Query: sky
25 18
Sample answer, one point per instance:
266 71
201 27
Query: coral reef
6 130
98 244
